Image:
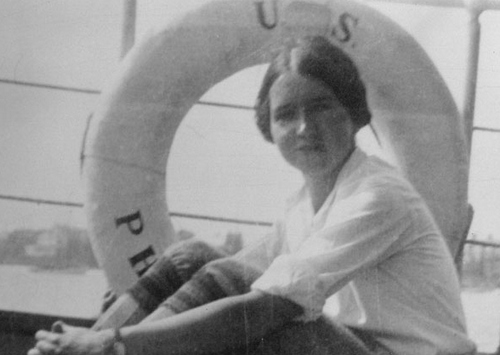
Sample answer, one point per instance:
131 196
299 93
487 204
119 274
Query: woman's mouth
311 147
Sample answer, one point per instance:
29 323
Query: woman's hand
68 340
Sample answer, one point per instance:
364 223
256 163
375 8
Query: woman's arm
231 322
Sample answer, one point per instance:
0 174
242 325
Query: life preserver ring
163 76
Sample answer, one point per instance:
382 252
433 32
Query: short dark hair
316 57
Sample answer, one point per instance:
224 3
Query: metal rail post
128 26
475 9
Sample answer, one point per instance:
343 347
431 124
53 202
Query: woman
356 230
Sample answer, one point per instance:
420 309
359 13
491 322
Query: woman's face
312 130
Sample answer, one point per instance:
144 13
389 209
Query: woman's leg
227 276
177 265
322 337
192 273
217 279
164 278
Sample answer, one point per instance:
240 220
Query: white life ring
163 76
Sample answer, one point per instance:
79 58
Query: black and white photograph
250 177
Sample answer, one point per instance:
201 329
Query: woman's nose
304 123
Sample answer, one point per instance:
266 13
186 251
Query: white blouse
375 246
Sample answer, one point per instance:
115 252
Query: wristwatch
118 345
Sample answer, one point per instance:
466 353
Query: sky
219 164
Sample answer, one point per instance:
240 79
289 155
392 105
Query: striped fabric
218 279
177 265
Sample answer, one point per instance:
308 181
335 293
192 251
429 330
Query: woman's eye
284 115
318 107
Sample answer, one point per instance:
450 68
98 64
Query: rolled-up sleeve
356 233
296 280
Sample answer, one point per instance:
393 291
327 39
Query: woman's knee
187 257
174 268
217 279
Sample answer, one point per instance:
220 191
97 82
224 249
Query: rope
97 92
51 87
486 129
483 244
173 214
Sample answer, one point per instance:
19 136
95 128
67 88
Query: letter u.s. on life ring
414 115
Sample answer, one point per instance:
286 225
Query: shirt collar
350 166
